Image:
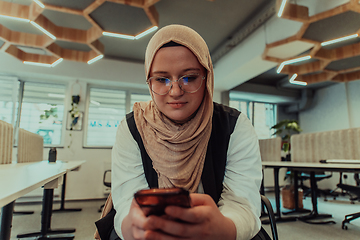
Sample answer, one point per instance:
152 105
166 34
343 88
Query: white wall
354 103
334 108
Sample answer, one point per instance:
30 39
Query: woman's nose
176 90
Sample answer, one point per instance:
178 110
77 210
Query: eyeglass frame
180 86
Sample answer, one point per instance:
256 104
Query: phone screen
157 199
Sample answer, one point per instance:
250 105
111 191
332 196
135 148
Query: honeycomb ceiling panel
333 27
342 44
84 21
67 20
18 26
311 60
73 4
22 2
115 47
313 73
290 49
121 18
228 13
328 62
33 50
73 46
344 64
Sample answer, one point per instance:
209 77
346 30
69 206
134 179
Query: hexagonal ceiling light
33 16
326 48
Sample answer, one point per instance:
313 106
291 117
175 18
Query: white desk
19 179
308 167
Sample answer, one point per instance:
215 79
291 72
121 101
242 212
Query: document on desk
337 161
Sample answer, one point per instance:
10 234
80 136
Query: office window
106 109
9 88
42 111
262 115
139 97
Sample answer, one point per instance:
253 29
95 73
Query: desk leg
296 197
314 213
277 200
6 221
45 232
62 203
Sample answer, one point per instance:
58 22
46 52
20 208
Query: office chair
107 183
320 192
352 190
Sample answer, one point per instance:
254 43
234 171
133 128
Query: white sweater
240 199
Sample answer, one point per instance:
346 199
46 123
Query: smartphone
155 200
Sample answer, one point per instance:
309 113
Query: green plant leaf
278 132
286 147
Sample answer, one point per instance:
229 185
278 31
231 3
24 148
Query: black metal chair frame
354 190
107 184
265 202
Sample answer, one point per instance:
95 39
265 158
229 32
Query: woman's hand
202 221
134 225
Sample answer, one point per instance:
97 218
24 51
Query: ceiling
226 26
215 20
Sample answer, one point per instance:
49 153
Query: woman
182 139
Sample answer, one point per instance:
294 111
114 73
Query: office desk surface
18 179
331 167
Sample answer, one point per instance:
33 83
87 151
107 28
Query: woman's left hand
202 221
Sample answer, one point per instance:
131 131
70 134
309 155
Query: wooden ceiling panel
290 49
330 63
70 29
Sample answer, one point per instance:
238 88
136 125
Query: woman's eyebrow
159 72
191 69
184 71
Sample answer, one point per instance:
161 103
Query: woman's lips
177 104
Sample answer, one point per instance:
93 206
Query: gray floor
84 221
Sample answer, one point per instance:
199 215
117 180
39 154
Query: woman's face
173 63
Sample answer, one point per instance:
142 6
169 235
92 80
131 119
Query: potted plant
285 129
74 111
288 193
74 114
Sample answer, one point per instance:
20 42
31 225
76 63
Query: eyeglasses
189 83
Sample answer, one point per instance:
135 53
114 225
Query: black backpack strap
261 235
105 225
223 123
150 173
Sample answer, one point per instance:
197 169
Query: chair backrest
30 147
270 149
265 202
313 147
6 142
107 178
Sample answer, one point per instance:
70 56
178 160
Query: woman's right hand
136 225
133 224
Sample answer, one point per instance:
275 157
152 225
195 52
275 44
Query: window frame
65 102
128 92
275 109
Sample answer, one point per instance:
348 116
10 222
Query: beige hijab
177 151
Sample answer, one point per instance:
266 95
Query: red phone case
156 199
